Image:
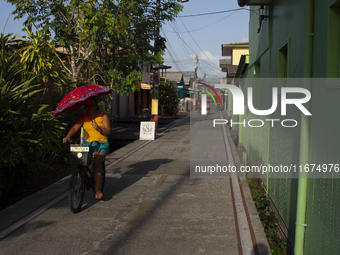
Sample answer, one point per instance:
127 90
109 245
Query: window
257 84
283 65
333 66
283 62
333 54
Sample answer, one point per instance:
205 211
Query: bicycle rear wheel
102 179
76 190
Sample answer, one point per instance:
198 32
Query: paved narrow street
150 206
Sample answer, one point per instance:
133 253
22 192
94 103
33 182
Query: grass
269 222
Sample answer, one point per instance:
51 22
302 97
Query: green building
295 43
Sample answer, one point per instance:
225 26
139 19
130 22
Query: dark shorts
102 147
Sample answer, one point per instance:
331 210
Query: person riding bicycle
97 125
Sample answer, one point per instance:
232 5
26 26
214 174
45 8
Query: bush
30 136
168 99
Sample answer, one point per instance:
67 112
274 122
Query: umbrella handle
88 114
99 129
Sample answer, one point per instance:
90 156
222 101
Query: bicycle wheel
76 190
102 179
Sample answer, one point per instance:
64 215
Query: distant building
182 81
233 51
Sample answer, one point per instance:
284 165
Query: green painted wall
323 207
275 145
283 33
255 139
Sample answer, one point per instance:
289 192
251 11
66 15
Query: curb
261 239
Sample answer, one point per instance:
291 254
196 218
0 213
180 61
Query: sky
186 37
203 35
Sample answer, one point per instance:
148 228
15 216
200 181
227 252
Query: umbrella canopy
76 98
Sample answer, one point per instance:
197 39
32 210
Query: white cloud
209 58
210 64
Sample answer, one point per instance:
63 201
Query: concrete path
150 206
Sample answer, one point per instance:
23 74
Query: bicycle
83 177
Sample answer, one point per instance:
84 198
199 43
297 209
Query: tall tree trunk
73 65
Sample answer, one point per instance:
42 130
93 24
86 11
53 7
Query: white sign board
147 130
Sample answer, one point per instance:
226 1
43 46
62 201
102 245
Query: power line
196 42
212 13
182 41
205 26
171 49
211 69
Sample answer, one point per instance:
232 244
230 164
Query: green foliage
38 56
168 99
127 84
269 222
30 136
105 41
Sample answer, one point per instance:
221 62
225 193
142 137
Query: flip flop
98 195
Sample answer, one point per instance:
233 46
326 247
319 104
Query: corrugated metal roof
174 77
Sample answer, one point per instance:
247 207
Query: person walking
97 126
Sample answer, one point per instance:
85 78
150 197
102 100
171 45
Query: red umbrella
76 98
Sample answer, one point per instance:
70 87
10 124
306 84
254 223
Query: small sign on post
147 130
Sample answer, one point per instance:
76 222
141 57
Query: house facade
234 52
132 105
296 44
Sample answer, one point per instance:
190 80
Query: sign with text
147 130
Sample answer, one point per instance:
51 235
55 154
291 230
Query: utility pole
195 84
196 62
154 107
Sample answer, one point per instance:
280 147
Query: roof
164 67
174 77
232 44
227 48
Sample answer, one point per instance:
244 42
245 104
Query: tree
38 58
168 99
111 36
